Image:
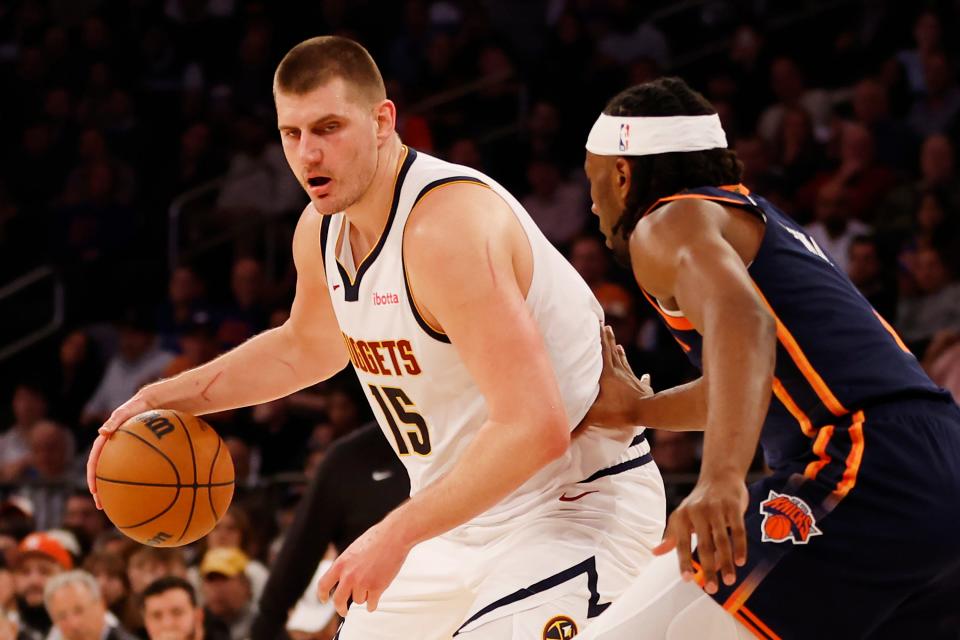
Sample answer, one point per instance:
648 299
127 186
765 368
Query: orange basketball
777 527
165 478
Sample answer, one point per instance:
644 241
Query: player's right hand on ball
132 407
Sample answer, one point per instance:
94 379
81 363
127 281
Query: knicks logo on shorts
559 628
787 518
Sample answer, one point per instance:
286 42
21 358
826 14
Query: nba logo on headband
624 136
610 135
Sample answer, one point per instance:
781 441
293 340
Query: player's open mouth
318 185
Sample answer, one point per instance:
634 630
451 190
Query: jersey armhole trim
433 332
324 232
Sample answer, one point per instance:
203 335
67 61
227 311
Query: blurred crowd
112 109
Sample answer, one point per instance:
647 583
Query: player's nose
310 150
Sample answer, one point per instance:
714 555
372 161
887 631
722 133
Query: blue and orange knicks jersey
835 354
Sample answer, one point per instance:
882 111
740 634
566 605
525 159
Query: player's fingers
608 345
92 459
327 582
738 533
373 600
112 424
359 595
684 553
342 596
668 544
706 550
724 553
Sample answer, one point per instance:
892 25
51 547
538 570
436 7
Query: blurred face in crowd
752 152
111 585
830 208
870 101
134 342
143 569
77 613
31 576
185 287
589 258
936 159
786 80
247 282
73 349
863 263
224 596
50 449
930 214
331 138
856 144
172 616
930 272
8 591
81 514
29 406
227 533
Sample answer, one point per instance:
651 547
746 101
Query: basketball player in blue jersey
477 346
857 528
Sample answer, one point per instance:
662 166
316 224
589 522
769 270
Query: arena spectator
789 86
936 304
77 609
557 205
246 314
928 39
832 228
799 155
40 557
111 574
185 298
29 406
198 344
75 378
226 589
82 518
937 173
235 531
937 109
50 472
590 258
138 361
865 269
896 144
171 612
758 172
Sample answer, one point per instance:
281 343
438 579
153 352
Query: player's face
609 184
331 137
171 616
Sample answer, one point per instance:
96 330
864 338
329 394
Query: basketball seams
193 458
176 471
173 503
172 485
213 463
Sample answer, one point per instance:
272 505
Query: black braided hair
661 175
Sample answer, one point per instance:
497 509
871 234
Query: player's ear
622 175
386 115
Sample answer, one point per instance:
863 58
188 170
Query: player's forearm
681 408
270 365
739 356
501 458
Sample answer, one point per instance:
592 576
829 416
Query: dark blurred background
146 209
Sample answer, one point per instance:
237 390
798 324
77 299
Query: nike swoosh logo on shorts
381 475
566 498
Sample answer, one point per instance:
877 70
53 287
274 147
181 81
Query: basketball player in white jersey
478 347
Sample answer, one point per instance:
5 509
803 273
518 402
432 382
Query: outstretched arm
308 348
465 253
684 252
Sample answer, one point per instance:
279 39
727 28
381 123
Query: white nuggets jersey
421 393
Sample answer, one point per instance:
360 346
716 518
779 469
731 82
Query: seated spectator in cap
78 611
197 344
29 407
138 361
40 557
235 531
226 589
832 227
865 270
936 304
557 205
171 612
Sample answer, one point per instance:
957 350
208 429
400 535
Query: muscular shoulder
306 239
456 211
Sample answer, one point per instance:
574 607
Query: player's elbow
553 435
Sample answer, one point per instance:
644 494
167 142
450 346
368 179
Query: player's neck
368 216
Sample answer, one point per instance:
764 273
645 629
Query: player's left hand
714 511
364 571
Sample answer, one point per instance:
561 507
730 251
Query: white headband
647 136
